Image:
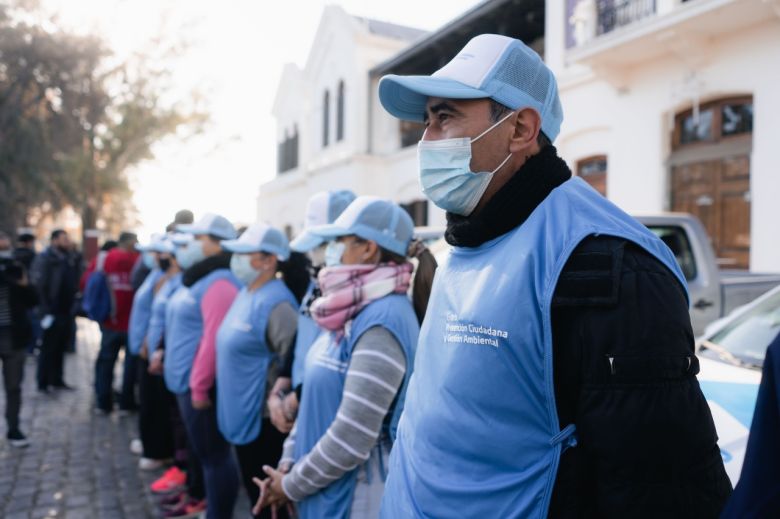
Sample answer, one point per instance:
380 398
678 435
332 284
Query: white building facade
674 105
668 105
323 120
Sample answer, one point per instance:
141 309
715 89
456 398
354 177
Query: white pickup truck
714 293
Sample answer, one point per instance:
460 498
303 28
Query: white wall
628 117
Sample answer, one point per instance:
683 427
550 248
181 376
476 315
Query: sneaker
173 501
136 447
173 479
191 508
152 464
17 439
64 387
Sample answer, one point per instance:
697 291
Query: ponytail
423 277
295 274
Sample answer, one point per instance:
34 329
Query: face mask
190 254
241 267
446 176
333 253
149 261
165 263
317 256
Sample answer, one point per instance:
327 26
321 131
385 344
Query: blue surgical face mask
333 253
190 254
149 261
241 267
446 176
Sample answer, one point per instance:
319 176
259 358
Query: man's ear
527 125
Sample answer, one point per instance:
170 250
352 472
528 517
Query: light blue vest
156 331
141 311
308 332
184 329
243 358
325 373
480 435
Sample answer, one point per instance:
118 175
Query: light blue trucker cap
498 67
260 237
372 218
159 243
323 208
210 223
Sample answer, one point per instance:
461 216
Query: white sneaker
152 464
136 447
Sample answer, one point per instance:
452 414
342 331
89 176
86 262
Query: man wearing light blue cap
555 374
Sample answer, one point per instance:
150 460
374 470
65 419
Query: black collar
205 267
512 204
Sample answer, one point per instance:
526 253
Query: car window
677 240
749 335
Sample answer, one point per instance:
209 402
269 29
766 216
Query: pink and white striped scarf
347 289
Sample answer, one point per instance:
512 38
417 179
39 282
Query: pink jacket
214 305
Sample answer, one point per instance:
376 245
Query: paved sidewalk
79 464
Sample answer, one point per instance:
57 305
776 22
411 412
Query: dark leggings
266 449
154 418
220 472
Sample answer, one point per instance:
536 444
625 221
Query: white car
731 354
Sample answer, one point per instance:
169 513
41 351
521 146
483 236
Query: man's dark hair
56 233
25 237
127 237
497 111
108 245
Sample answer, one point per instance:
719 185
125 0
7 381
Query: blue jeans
220 470
110 344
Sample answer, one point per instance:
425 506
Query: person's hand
23 280
290 406
156 363
276 405
271 492
47 321
201 404
144 351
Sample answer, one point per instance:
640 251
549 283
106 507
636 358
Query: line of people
227 326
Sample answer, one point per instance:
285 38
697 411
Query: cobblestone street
78 464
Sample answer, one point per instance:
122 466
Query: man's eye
443 117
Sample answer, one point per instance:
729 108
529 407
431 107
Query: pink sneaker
173 479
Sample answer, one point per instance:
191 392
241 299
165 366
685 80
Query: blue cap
159 243
372 218
212 224
260 237
489 66
179 239
323 208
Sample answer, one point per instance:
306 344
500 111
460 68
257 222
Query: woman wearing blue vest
194 314
259 329
335 459
155 438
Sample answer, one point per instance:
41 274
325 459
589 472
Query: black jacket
20 299
55 275
624 370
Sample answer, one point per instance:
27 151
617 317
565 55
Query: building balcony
623 33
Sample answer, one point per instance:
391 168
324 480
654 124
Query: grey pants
13 372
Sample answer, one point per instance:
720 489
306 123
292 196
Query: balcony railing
613 14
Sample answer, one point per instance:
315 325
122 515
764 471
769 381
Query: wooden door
718 193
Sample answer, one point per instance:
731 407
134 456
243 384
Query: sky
236 54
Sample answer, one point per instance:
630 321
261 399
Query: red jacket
118 265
